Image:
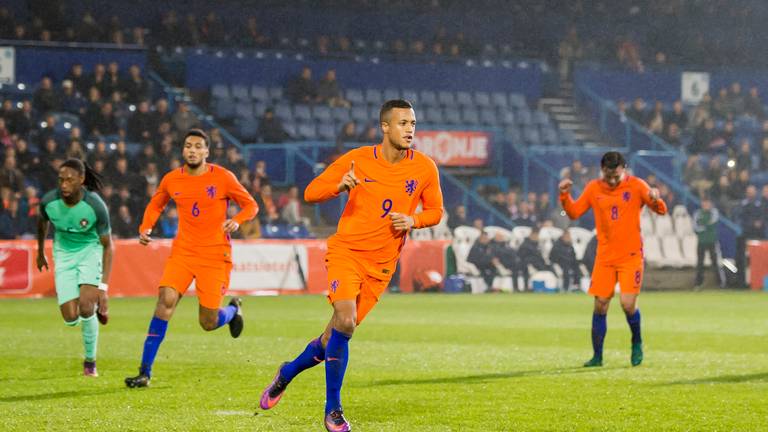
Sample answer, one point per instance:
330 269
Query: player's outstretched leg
599 328
312 355
637 341
233 315
336 359
155 336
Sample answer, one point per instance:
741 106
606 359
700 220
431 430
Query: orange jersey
384 188
202 203
617 215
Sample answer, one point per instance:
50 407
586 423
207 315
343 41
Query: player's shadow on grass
723 379
61 395
468 379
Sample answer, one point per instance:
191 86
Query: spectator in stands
530 255
736 100
75 150
526 217
112 80
10 176
739 184
26 161
80 82
727 135
24 120
702 112
212 31
88 29
498 201
161 115
507 257
124 176
543 207
328 91
183 119
672 135
370 134
478 224
151 175
141 125
260 172
764 206
513 210
569 51
290 206
744 156
302 89
753 105
31 205
704 138
45 98
13 224
482 256
347 134
271 128
169 222
677 116
99 79
695 176
721 106
123 225
705 221
579 174
218 155
5 135
234 160
458 217
105 123
628 54
70 99
655 124
564 255
751 218
637 112
135 87
253 36
267 208
764 155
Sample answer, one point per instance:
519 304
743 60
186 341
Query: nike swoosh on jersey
370 180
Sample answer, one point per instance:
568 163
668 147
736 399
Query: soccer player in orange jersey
201 249
617 200
385 183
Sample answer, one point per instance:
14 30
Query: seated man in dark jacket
482 256
530 255
564 255
507 257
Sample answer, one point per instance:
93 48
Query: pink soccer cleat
274 391
89 369
335 422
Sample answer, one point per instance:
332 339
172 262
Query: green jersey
76 227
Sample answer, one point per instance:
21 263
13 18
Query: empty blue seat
275 93
464 99
531 136
321 113
284 112
373 96
259 93
307 131
434 115
247 129
340 114
355 96
524 118
488 117
540 118
359 114
220 91
225 108
506 117
291 128
244 110
428 98
391 93
411 96
326 131
549 136
299 232
499 100
567 137
446 98
470 116
259 107
452 115
512 134
302 113
482 99
240 92
517 100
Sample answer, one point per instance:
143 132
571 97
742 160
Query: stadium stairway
568 117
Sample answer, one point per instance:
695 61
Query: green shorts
77 268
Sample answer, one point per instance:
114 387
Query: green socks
90 327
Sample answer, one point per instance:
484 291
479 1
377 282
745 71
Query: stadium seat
663 225
302 113
517 101
531 136
470 116
244 110
499 100
673 256
373 97
259 107
220 91
506 117
580 238
421 234
359 114
464 99
390 93
428 98
541 118
411 96
259 93
567 138
683 225
355 97
679 211
326 131
446 98
652 251
551 233
284 112
452 115
307 131
466 234
482 99
493 230
321 113
224 108
340 114
441 230
512 134
291 128
524 118
240 92
463 239
519 233
688 247
434 115
549 136
488 117
275 94
646 223
247 129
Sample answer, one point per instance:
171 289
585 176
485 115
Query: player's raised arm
244 200
574 209
432 202
154 210
652 198
338 177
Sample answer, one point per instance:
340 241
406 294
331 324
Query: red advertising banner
455 148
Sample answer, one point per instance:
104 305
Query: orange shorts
628 273
355 278
211 278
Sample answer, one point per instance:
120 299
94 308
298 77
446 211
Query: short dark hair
613 160
198 133
390 105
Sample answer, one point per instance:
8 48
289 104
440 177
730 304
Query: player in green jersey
82 251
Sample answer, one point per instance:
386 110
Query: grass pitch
418 363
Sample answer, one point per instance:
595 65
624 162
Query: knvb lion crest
334 285
410 186
211 191
625 196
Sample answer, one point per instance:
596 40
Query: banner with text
455 148
266 266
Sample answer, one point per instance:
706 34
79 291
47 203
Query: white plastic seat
550 233
466 234
580 237
421 234
652 251
663 225
646 223
683 225
673 256
689 243
679 211
493 230
519 233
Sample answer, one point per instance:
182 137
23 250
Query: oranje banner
455 148
259 267
758 263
